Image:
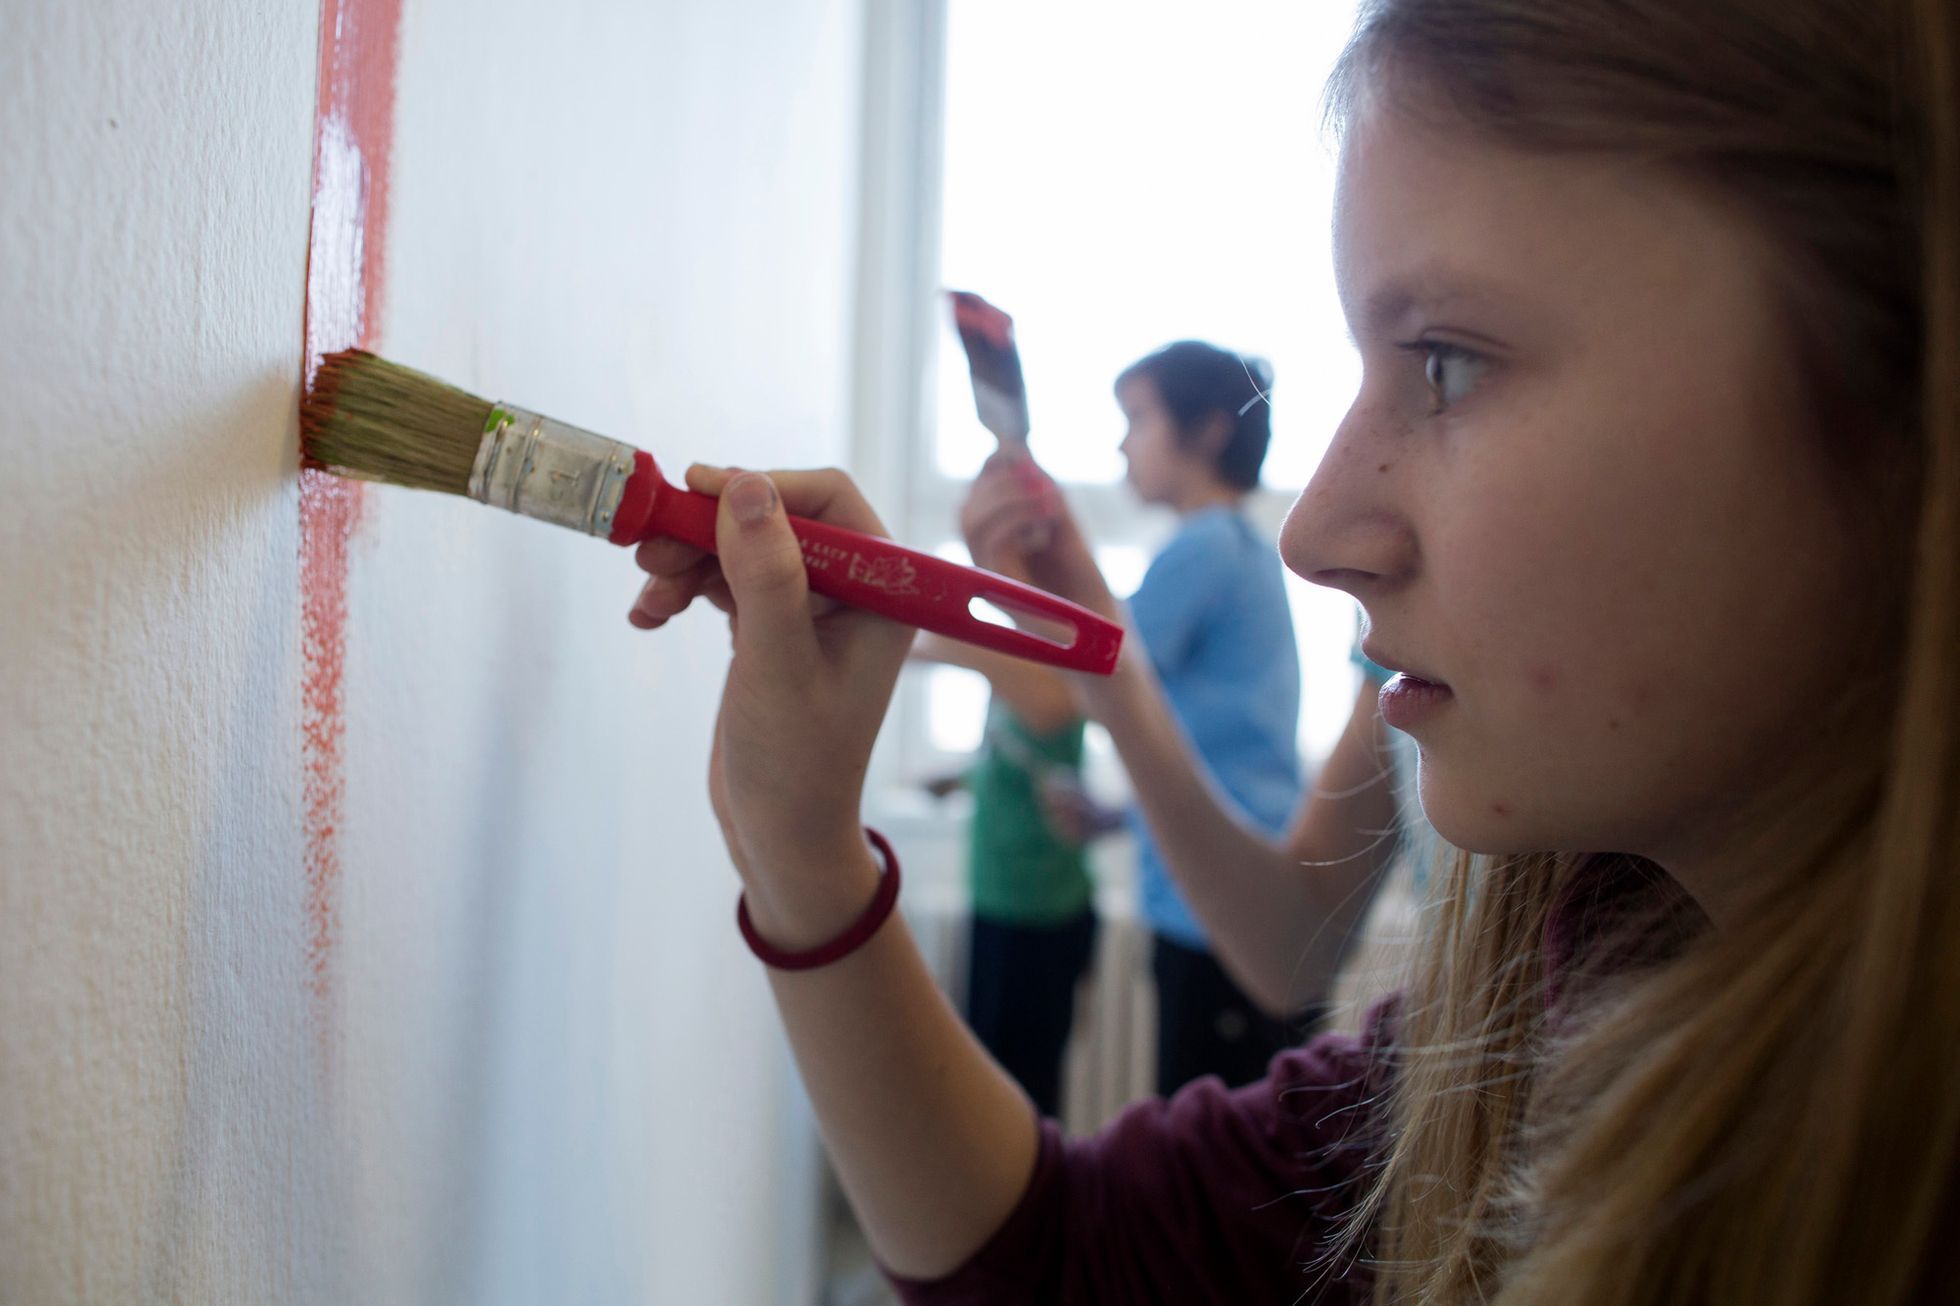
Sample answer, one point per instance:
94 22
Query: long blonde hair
1768 1113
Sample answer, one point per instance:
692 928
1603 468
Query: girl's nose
1350 528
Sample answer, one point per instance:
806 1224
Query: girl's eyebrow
1392 310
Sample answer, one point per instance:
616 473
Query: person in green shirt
1032 929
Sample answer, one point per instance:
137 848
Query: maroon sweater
1235 1197
1216 1195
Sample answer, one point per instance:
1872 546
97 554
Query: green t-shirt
1019 871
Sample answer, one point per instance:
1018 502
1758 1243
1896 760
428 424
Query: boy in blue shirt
1212 614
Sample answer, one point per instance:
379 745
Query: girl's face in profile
1158 466
1578 487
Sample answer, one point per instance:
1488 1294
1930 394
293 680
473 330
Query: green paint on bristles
375 420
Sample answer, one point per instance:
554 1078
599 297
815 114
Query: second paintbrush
379 421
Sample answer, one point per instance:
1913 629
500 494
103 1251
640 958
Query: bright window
1116 176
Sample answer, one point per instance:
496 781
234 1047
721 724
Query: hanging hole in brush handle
1014 617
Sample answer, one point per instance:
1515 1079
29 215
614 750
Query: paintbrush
1000 396
374 420
1000 399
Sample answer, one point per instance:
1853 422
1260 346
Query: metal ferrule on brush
536 467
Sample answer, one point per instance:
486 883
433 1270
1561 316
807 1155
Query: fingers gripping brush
379 421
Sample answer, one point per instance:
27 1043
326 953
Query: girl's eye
1451 370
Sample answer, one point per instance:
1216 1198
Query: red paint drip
329 508
353 137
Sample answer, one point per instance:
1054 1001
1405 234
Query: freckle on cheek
1500 809
1384 467
1612 723
1544 679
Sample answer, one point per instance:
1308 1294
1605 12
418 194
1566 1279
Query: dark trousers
1020 997
1206 1025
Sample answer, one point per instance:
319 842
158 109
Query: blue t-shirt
1213 616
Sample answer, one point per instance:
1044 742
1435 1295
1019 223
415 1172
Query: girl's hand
1016 522
805 695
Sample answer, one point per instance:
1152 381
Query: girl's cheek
1541 677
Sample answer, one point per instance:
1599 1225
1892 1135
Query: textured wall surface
540 1067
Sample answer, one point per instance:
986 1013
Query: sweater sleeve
1213 1196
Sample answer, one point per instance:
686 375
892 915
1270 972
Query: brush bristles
379 421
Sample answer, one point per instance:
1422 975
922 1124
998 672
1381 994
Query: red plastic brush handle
889 579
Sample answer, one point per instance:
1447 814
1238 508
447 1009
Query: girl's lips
1407 701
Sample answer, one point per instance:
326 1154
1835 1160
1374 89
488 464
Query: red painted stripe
352 139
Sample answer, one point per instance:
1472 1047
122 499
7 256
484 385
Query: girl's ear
1209 440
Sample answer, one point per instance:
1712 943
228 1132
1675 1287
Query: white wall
543 1068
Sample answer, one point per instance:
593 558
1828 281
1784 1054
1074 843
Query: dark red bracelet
844 944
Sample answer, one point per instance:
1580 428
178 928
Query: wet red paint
352 139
